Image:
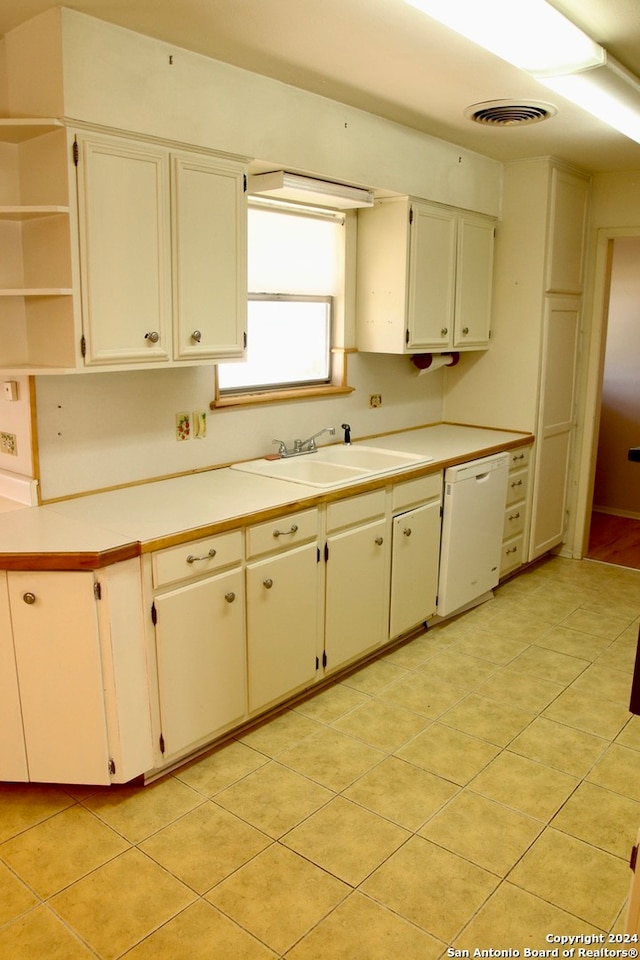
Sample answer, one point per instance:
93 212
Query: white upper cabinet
152 269
209 257
424 277
163 253
123 205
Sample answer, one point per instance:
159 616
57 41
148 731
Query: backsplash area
102 430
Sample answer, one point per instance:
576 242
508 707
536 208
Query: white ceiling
386 57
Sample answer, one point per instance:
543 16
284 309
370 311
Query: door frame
585 464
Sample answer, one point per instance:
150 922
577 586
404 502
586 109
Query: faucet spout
309 445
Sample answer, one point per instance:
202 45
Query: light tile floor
477 787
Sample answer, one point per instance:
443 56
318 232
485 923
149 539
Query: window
295 307
288 344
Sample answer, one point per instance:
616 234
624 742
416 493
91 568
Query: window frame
338 353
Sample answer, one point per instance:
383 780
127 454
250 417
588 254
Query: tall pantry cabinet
527 380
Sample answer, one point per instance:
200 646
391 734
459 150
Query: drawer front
512 555
195 558
416 491
519 458
346 513
514 518
517 486
282 533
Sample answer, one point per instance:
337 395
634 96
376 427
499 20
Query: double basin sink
334 466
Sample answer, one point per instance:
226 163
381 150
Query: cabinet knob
268 583
196 336
192 559
444 331
465 331
407 531
379 541
230 597
153 336
29 598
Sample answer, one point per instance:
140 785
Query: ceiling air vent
510 113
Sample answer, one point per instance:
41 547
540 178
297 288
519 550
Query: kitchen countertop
99 529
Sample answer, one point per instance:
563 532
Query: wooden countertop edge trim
71 560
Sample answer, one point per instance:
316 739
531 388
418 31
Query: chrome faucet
302 446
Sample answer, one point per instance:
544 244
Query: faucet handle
282 447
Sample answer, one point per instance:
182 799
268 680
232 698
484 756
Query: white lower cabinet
415 554
81 675
283 610
282 624
516 517
201 661
13 756
198 614
357 577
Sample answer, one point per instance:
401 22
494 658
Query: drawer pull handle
230 597
512 550
407 531
514 516
286 533
379 541
29 598
268 583
517 456
207 556
516 483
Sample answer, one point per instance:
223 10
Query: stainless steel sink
334 466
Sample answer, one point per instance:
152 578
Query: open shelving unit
37 320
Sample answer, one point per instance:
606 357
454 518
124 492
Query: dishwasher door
475 496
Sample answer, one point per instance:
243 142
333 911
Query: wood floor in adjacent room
614 540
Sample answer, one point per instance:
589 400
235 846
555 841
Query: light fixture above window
293 187
535 37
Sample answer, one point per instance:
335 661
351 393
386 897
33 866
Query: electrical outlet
183 426
9 444
375 400
199 421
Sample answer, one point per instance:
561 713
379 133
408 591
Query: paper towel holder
429 361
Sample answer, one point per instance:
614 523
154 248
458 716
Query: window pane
288 343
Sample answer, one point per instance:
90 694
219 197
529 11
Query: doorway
613 530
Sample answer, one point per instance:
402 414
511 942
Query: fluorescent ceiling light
537 38
609 92
530 34
293 187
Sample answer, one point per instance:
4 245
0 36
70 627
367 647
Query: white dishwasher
475 495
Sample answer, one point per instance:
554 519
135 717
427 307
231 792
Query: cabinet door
201 660
474 280
13 758
414 567
357 592
57 650
555 424
123 201
432 272
567 231
282 624
209 258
